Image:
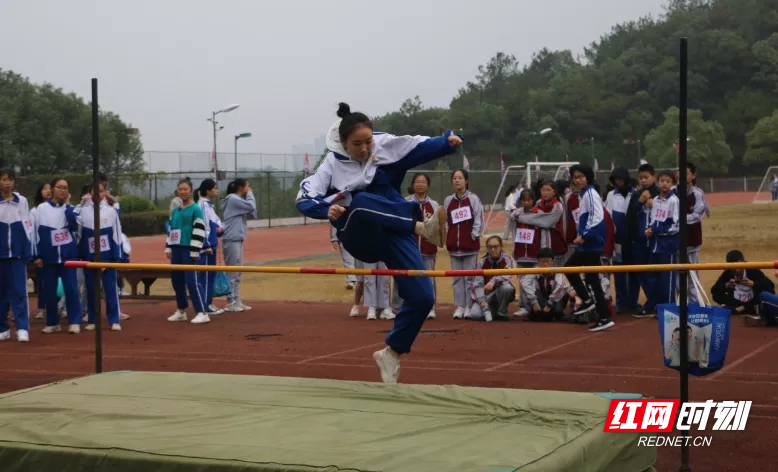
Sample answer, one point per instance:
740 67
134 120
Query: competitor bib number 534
461 214
61 237
525 236
104 244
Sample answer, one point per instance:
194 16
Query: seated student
544 296
492 295
740 290
768 310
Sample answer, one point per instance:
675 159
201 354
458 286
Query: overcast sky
164 65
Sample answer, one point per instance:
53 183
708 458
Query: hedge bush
145 223
136 204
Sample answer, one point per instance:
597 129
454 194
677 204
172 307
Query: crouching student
493 294
109 242
741 290
544 296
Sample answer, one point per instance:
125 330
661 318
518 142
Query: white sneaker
388 365
233 307
5 335
124 316
488 315
371 313
116 327
354 311
22 335
178 316
433 229
431 315
40 315
200 318
243 306
521 313
74 329
90 327
51 329
459 313
387 314
466 314
213 310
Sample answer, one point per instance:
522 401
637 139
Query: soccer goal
768 189
526 175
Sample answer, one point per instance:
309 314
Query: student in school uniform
695 210
544 296
465 225
491 295
768 309
663 237
617 203
346 258
528 236
16 250
549 218
638 220
109 242
238 206
56 225
183 246
589 247
418 192
42 194
208 192
741 290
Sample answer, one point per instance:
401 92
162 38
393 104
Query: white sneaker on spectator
178 316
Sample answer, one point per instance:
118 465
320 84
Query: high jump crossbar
426 273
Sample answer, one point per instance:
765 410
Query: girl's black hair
549 183
527 191
411 191
350 121
585 170
465 174
86 189
561 185
233 186
206 186
39 193
8 172
510 190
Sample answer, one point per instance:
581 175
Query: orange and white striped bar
425 273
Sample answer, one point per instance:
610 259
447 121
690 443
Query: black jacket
761 284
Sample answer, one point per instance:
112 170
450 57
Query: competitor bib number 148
525 235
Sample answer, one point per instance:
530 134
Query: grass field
747 227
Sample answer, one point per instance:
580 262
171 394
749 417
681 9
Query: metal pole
236 157
683 276
96 238
214 165
593 150
640 153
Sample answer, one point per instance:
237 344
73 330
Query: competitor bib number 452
61 237
104 244
461 214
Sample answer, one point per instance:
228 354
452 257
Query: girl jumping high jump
357 187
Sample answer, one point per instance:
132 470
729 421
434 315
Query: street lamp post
237 137
216 128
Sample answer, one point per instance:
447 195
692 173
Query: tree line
618 101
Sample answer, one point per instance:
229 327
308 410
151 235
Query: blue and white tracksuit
627 284
109 240
379 224
665 217
56 225
16 250
212 225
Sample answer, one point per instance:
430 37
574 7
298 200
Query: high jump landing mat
165 422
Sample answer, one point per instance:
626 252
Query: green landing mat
166 422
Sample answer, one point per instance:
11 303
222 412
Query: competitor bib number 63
61 237
104 244
461 214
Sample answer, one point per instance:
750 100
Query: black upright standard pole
683 276
96 238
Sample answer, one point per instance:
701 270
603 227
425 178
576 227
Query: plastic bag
221 285
708 330
60 289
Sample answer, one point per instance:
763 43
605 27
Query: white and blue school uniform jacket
109 239
339 176
665 216
591 222
212 224
16 229
56 225
617 204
